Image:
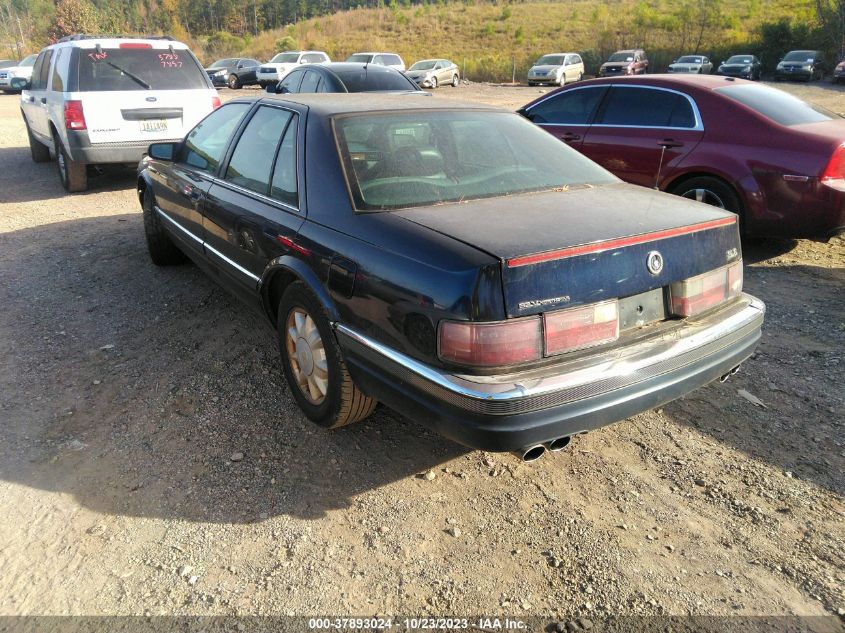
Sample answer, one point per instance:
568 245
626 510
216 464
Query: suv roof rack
102 36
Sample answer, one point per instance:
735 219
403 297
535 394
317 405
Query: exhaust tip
532 453
559 444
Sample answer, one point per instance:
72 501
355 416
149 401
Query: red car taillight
491 344
215 102
74 116
522 340
577 328
697 294
834 173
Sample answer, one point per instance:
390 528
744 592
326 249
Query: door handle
570 136
666 143
192 193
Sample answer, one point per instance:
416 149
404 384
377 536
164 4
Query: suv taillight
697 294
834 173
74 116
215 102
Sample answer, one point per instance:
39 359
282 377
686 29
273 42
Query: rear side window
112 69
284 173
391 60
646 107
572 107
57 84
252 160
777 105
205 144
40 70
310 82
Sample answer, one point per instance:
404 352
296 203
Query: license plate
154 125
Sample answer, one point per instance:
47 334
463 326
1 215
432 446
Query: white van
97 100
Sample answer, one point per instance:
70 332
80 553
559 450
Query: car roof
701 82
371 68
115 42
329 104
433 59
375 53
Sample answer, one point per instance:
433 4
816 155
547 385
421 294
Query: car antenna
663 147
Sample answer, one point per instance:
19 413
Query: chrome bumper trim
586 377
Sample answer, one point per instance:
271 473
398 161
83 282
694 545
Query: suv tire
40 152
325 392
163 252
72 173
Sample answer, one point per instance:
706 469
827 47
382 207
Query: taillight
215 102
491 344
577 328
697 294
74 116
835 170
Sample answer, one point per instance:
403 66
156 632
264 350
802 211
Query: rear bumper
509 412
81 149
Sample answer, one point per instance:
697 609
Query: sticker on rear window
169 60
98 56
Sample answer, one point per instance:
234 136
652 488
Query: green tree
73 16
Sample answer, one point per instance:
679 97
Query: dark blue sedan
452 261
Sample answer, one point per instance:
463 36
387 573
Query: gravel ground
153 462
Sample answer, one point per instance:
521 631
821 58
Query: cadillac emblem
654 262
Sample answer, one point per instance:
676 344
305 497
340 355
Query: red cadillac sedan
775 160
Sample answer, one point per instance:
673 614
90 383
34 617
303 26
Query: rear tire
163 252
313 364
712 191
40 152
72 173
233 82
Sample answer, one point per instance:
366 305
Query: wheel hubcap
704 195
307 355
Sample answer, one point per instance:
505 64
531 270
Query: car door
181 186
255 204
246 70
567 114
34 101
640 130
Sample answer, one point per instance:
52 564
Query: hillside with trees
490 40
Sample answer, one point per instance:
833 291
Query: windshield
740 59
690 59
550 60
223 63
28 61
285 58
361 58
111 69
800 56
397 160
777 105
621 57
426 65
364 80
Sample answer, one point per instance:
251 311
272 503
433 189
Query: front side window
398 160
572 107
646 107
121 69
312 58
253 157
206 143
291 82
285 58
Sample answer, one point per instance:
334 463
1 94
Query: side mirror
162 151
20 83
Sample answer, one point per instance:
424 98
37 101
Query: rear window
112 69
777 105
394 160
367 80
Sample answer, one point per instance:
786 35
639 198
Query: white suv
282 63
22 70
382 59
97 100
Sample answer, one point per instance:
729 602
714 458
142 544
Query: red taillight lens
74 116
835 169
697 294
491 344
577 328
215 103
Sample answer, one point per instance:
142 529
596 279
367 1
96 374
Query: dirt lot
126 391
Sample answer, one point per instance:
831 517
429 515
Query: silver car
696 64
557 68
430 73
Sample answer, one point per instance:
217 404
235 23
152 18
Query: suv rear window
111 69
777 105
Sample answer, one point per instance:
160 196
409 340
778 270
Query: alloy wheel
704 195
307 355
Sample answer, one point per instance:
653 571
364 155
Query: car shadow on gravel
22 180
148 391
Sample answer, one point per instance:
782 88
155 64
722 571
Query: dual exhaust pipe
536 451
724 377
